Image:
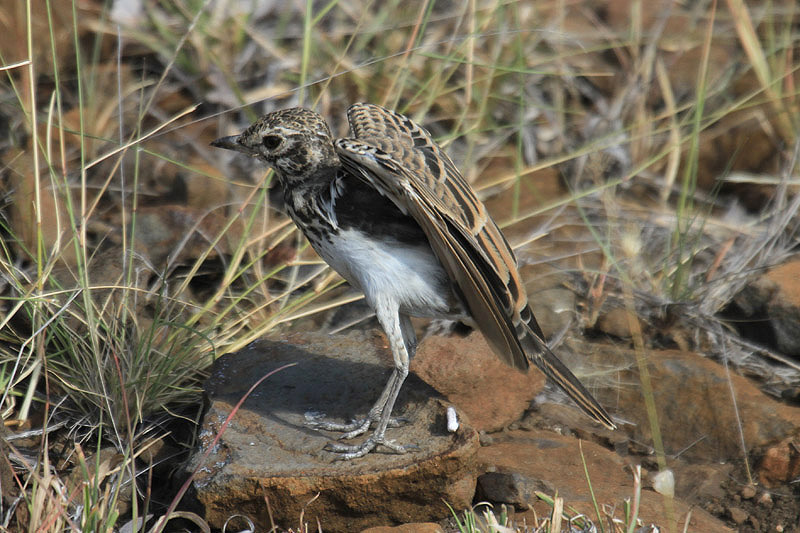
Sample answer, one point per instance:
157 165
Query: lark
389 211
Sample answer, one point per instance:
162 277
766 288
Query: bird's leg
402 340
359 426
392 388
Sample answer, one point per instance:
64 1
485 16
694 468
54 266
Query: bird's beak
229 143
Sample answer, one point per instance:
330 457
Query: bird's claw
352 429
353 451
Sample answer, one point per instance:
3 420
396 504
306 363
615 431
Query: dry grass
132 254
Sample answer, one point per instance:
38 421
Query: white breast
410 275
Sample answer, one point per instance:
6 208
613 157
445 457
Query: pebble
748 492
737 515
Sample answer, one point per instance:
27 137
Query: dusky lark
388 210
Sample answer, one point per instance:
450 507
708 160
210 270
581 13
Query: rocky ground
530 440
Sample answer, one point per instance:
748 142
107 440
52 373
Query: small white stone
664 483
452 420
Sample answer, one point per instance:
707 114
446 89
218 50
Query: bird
389 211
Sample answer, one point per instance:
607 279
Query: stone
663 482
767 310
555 461
512 488
765 499
779 464
268 453
783 309
737 515
614 322
468 373
692 394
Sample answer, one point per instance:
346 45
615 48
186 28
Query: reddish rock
768 308
780 464
268 453
787 278
468 373
555 461
692 395
783 308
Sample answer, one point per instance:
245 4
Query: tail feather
540 355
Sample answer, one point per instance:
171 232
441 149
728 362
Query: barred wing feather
400 159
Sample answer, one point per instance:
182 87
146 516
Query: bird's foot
354 428
353 451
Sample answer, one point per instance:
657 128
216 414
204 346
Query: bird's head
296 142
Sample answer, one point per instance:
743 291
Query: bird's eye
271 141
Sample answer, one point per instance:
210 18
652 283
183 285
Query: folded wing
400 159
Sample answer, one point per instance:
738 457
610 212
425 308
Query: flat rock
692 395
267 452
536 460
697 415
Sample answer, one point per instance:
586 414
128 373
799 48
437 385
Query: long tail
540 355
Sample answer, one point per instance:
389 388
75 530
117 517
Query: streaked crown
296 142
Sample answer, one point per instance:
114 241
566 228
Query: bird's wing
400 159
